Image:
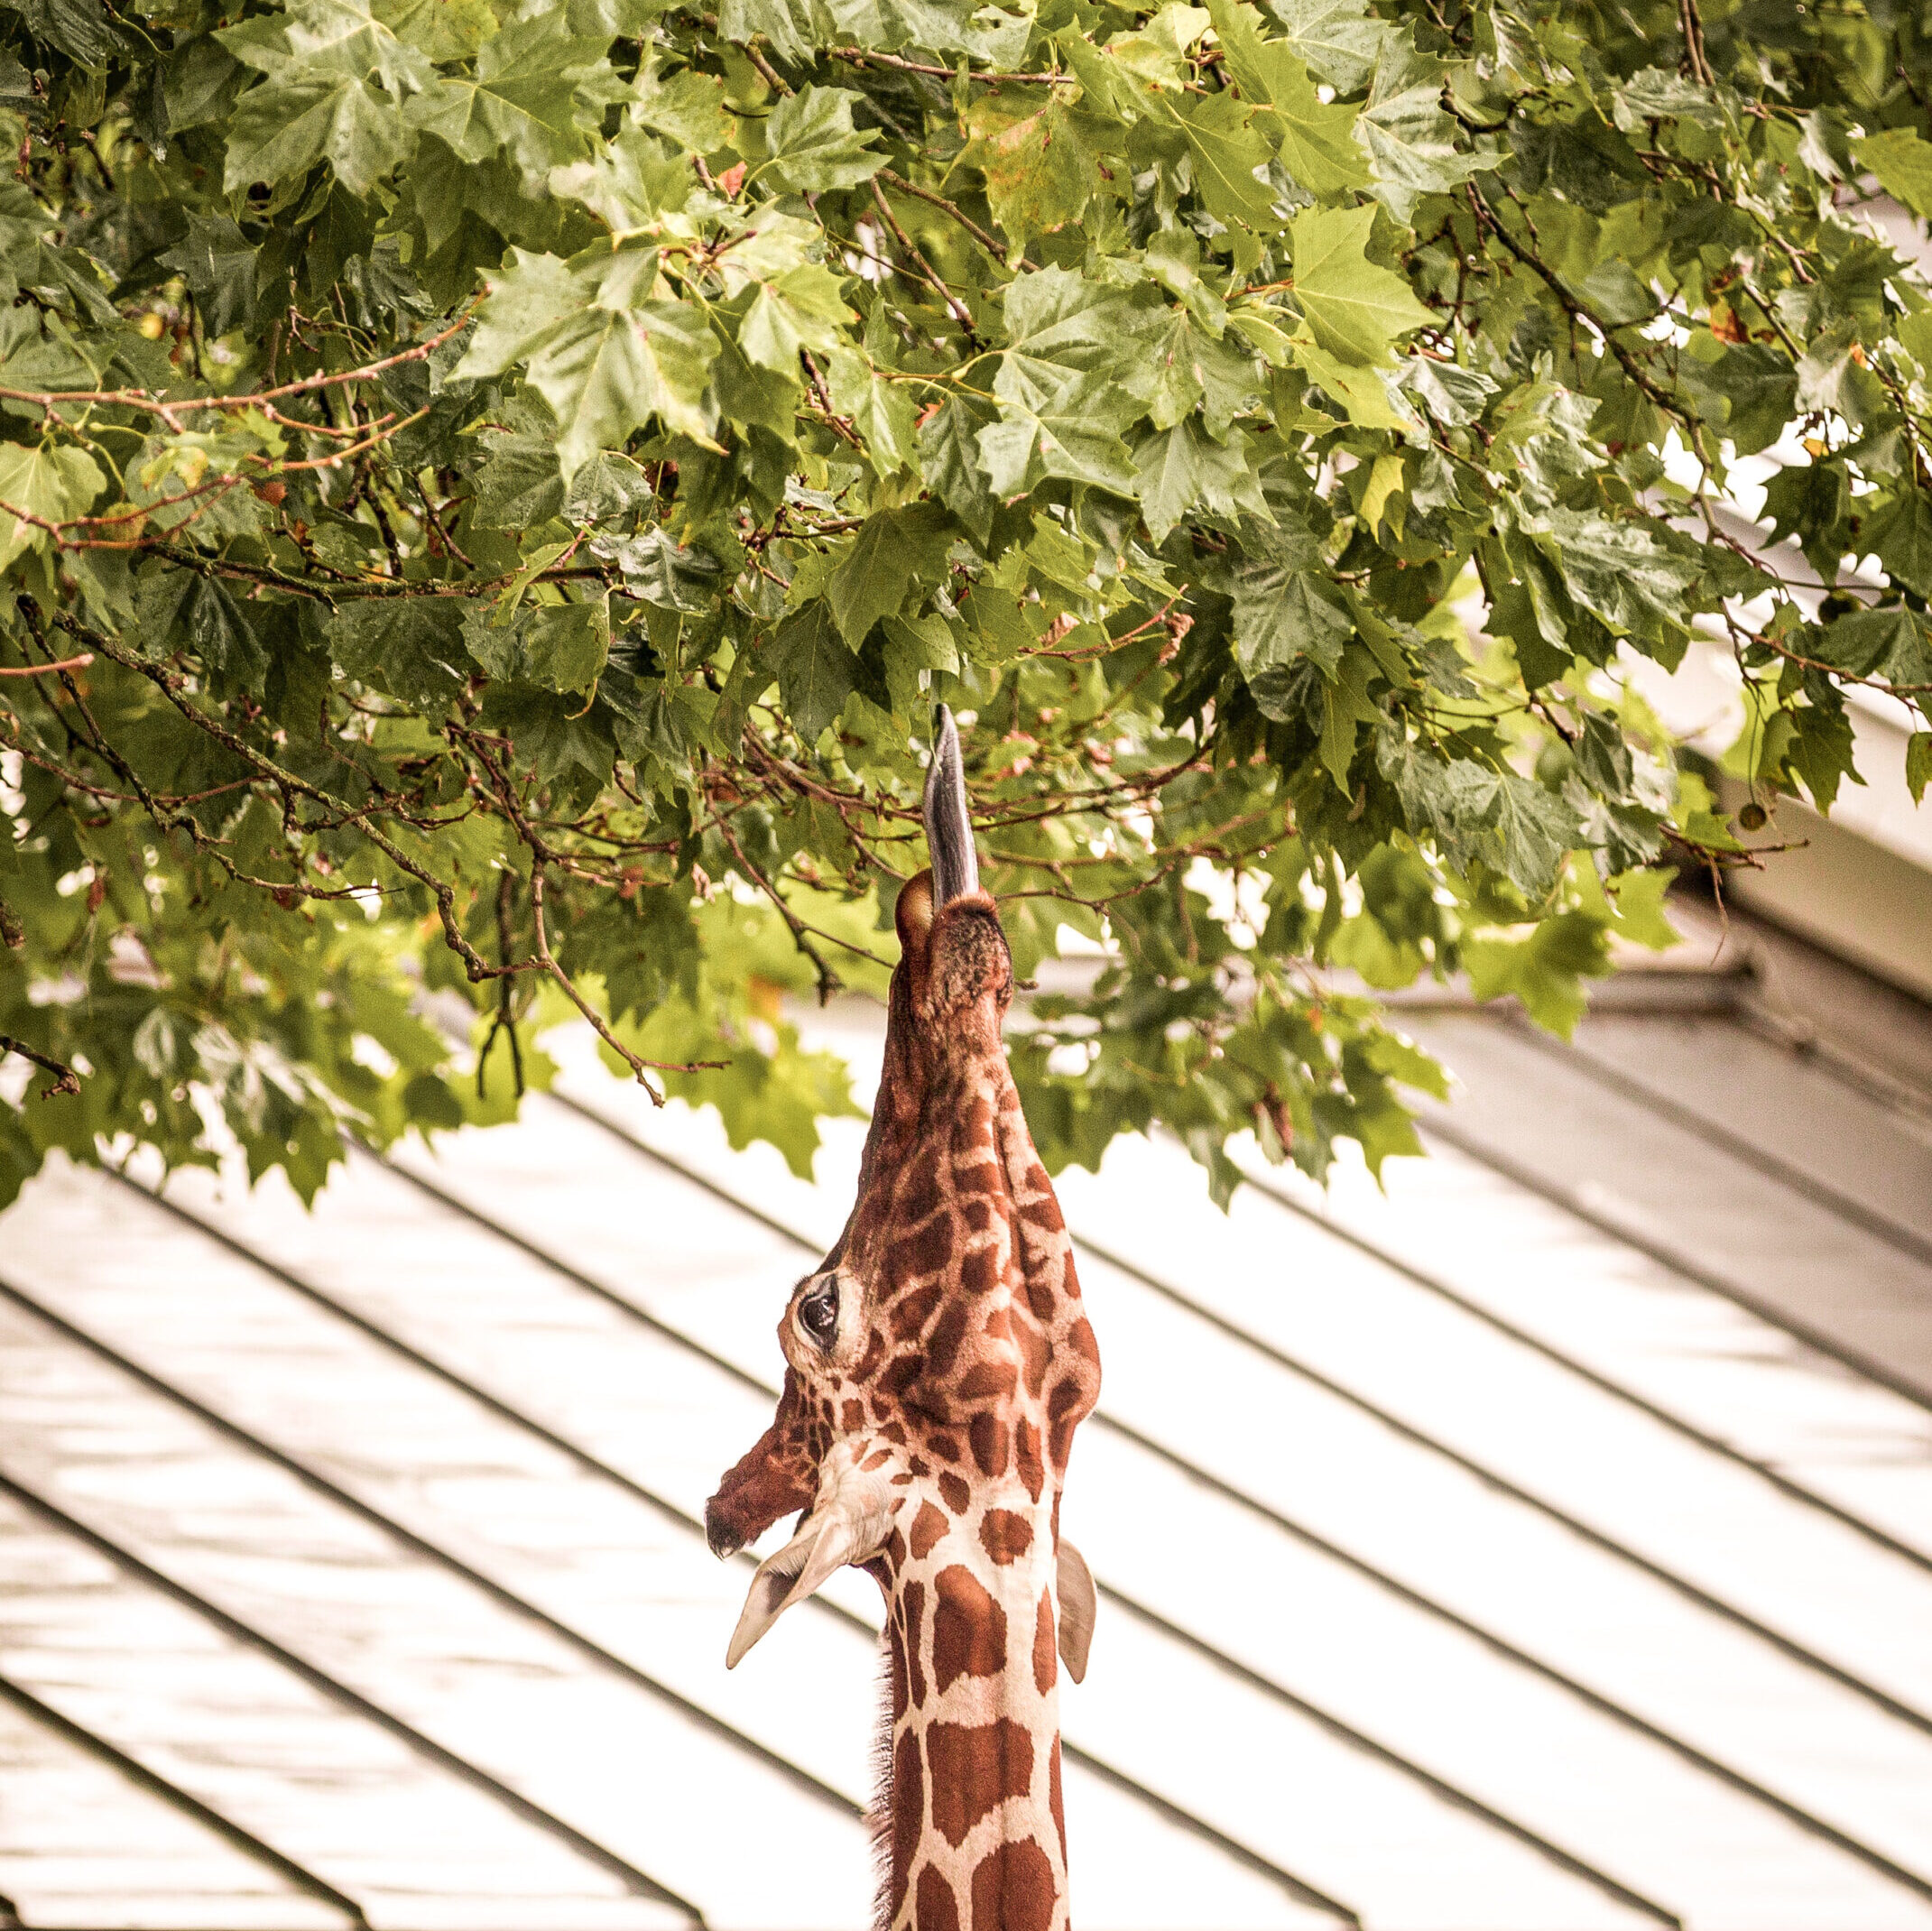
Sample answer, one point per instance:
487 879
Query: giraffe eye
818 1313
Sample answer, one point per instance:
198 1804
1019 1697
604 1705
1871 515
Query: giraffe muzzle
722 1538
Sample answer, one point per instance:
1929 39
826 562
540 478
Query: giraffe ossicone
938 1364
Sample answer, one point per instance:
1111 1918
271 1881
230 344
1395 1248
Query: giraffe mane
879 1818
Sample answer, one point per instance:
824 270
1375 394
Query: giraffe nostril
723 1541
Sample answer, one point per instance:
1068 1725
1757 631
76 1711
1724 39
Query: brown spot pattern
943 1343
968 1629
1046 1649
1053 1798
912 1604
1026 1452
1012 1888
986 1379
974 1768
909 1801
987 1434
1005 1536
928 1528
934 1906
913 1312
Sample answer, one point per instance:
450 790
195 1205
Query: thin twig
1696 57
168 406
642 1069
66 663
66 1080
953 209
960 312
862 57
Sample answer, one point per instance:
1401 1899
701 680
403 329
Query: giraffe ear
1077 1604
849 1526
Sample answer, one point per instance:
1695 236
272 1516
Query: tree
488 498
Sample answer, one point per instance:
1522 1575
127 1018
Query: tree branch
642 1069
66 1080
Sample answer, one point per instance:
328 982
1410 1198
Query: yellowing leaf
1384 487
1038 173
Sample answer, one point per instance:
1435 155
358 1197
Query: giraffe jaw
850 1525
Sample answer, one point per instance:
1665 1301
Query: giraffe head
939 1361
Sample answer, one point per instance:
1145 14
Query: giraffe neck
977 1839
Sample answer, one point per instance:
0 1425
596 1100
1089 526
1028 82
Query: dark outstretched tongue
948 820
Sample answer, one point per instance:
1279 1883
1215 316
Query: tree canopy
489 497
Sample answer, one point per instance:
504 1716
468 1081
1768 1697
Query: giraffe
939 1361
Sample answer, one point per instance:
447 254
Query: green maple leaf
411 647
633 184
1903 164
1410 141
1892 644
1346 706
1363 392
282 128
534 86
1313 137
802 309
881 411
1341 40
1226 149
1183 468
83 29
218 263
519 485
813 146
1516 826
816 672
1179 368
688 109
444 30
1059 328
949 460
1902 537
1620 572
52 484
346 38
1286 614
557 647
605 359
1075 435
1355 309
894 550
1546 970
1918 765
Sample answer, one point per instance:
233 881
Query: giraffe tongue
849 1526
949 819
